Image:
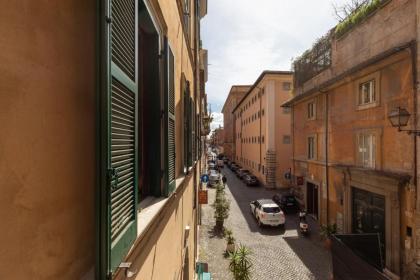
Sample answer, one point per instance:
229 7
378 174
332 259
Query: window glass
367 150
367 93
271 209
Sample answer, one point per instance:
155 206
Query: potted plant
221 207
326 231
240 263
230 247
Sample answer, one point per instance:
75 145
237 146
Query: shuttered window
119 89
193 133
187 125
170 120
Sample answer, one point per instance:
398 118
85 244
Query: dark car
242 172
234 167
239 169
287 202
251 180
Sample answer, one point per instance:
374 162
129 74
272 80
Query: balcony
313 61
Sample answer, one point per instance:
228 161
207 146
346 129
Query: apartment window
286 139
366 146
187 18
263 169
262 138
311 147
286 110
287 86
367 94
263 112
311 110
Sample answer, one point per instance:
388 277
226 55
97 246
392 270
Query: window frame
311 113
374 79
311 155
374 138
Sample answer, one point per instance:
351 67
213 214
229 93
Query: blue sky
245 37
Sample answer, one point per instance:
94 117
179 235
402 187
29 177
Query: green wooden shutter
186 102
119 130
193 126
190 133
170 120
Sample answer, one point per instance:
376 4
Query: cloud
217 120
245 37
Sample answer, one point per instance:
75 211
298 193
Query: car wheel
259 222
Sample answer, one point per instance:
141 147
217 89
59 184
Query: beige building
352 168
263 138
235 95
97 98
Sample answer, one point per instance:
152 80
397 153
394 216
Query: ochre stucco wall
47 140
158 254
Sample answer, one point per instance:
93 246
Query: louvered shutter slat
119 130
170 120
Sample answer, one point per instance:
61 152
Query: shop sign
202 197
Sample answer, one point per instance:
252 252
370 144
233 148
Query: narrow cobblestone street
277 253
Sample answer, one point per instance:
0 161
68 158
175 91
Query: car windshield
271 209
290 199
253 177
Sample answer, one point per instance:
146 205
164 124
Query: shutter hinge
108 19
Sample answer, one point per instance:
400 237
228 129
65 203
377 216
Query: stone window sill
151 206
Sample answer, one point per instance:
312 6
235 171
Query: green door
118 94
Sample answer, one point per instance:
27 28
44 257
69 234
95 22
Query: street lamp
399 118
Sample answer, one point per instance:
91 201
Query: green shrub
240 263
357 16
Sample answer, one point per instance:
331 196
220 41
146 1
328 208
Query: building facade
99 98
262 129
351 167
235 95
218 138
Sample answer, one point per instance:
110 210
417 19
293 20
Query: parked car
220 163
225 160
211 165
230 163
234 167
267 212
214 177
242 172
286 202
251 180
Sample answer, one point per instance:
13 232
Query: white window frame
372 97
311 151
367 143
367 93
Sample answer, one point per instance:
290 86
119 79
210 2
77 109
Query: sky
245 37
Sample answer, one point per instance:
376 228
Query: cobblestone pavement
277 254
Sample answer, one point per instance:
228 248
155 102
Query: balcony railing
313 61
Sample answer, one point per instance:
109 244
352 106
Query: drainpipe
260 130
327 181
413 51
